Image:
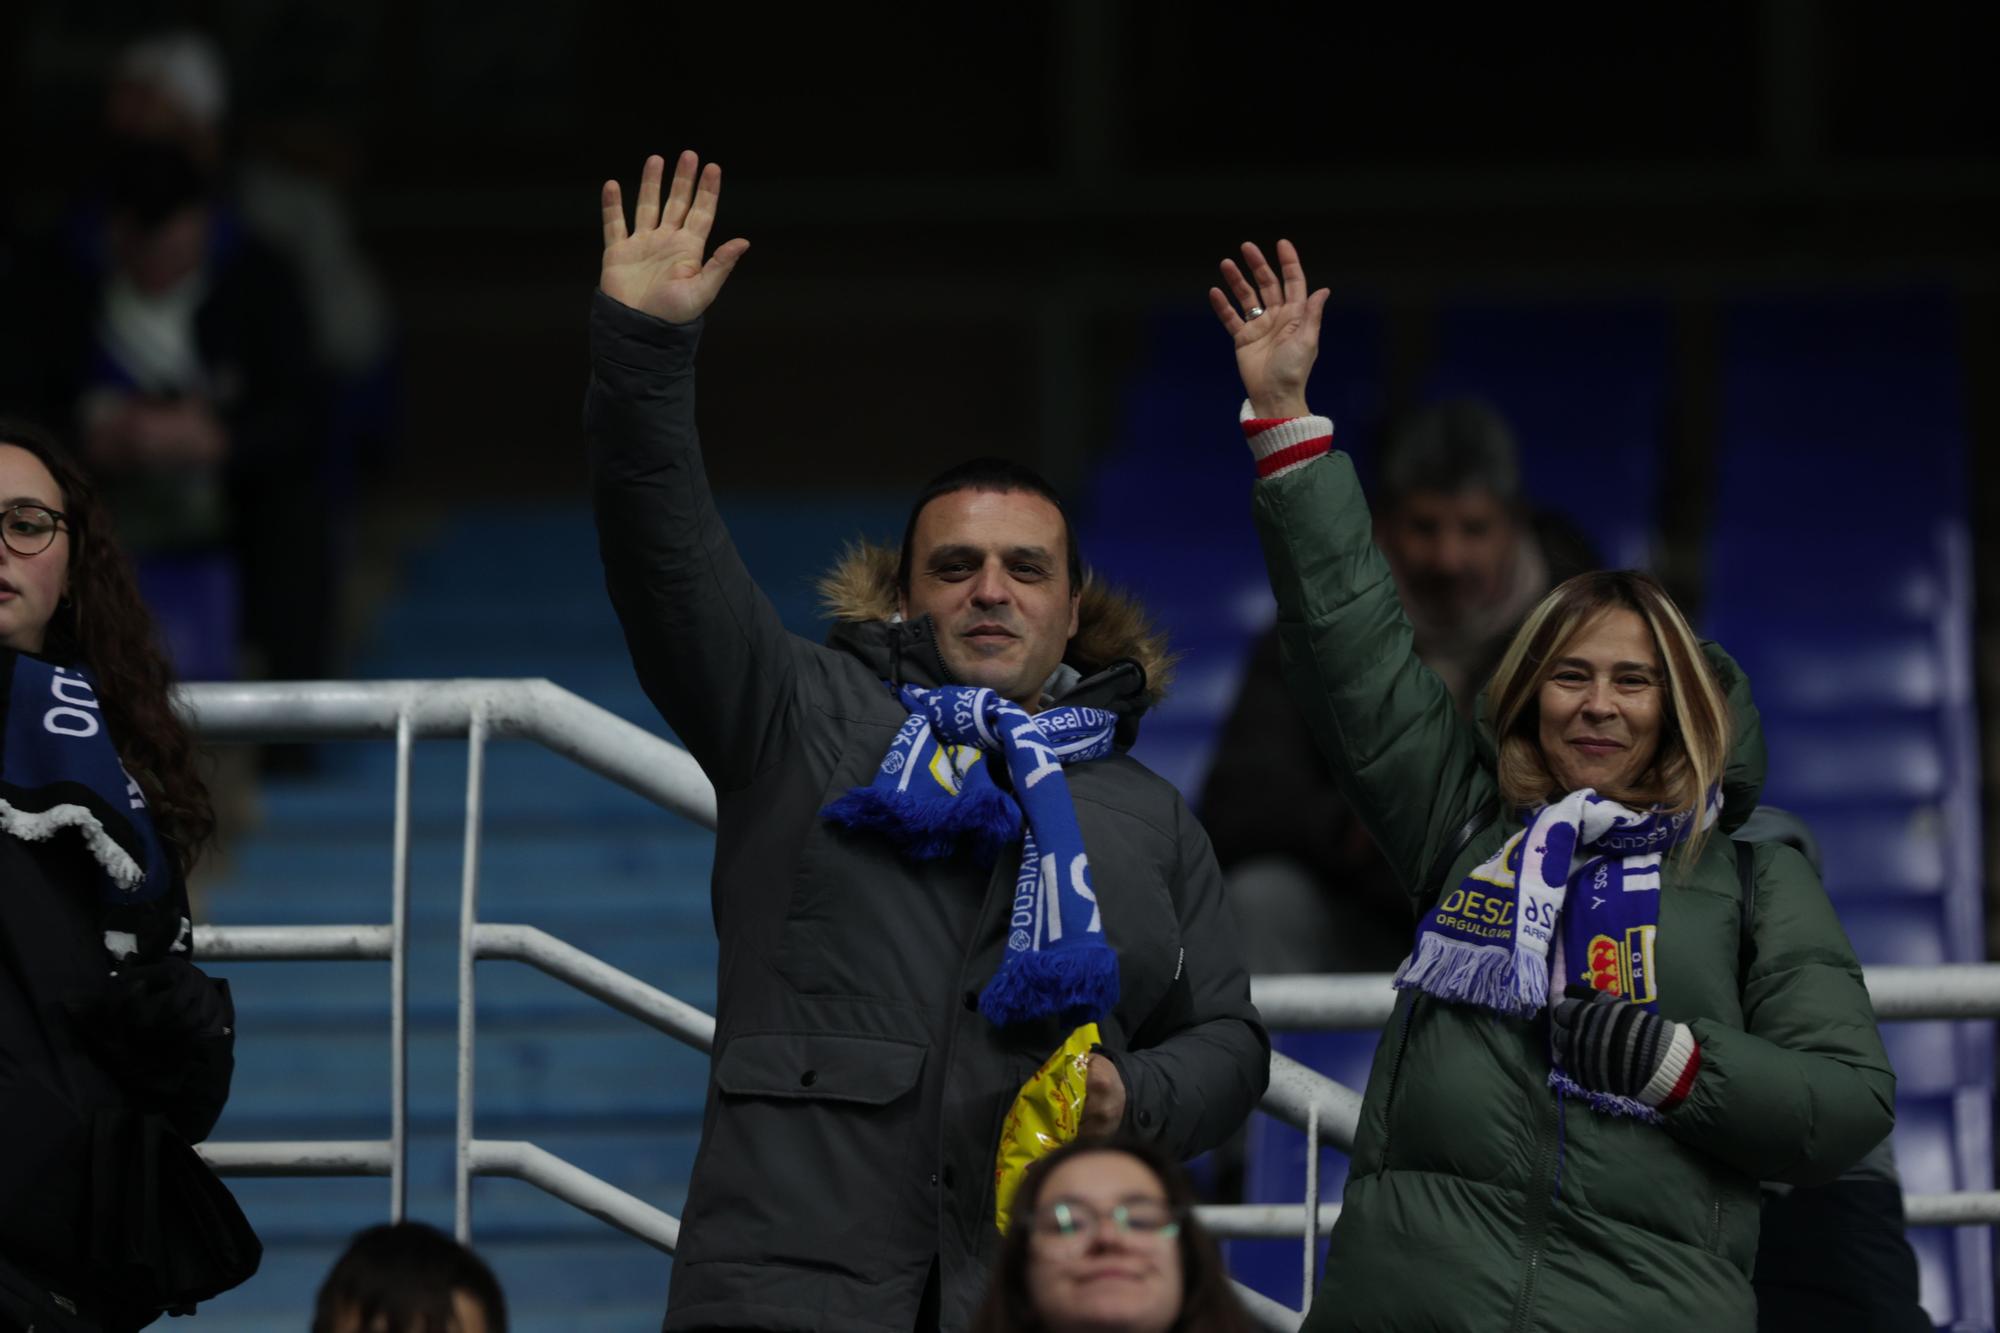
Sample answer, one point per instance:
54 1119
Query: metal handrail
540 711
535 710
1364 1000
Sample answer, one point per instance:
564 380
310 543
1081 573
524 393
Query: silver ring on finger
1254 311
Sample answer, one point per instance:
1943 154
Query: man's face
1452 553
991 568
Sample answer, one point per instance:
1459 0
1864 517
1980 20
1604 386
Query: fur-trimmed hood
1110 626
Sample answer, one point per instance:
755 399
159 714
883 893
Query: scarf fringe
1468 973
38 825
1076 985
930 828
1607 1103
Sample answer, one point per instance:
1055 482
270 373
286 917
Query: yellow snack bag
1046 1115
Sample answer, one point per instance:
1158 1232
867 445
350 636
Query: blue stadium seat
1584 386
197 601
1166 513
1178 463
1882 849
1839 577
1853 758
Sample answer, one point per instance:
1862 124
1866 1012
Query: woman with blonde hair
1610 1027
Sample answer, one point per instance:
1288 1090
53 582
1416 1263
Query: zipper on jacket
1541 1199
944 676
1396 1063
1715 1228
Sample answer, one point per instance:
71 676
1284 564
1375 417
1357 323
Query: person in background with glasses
115 1050
1103 1237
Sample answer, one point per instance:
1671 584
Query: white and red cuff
1280 444
1674 1079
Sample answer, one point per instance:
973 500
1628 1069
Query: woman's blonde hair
1694 724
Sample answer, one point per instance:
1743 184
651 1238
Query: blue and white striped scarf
932 796
1586 865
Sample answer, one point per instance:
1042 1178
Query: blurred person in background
115 1050
177 346
1611 1026
1102 1236
406 1277
1310 890
287 183
935 862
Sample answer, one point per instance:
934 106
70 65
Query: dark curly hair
103 627
1208 1305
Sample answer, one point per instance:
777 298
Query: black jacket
98 1066
856 1095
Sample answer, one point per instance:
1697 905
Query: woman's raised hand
657 267
1277 333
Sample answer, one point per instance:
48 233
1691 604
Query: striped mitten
1611 1045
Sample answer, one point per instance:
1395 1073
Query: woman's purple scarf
1584 864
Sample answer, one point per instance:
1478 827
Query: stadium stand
507 591
1862 667
1839 573
1584 385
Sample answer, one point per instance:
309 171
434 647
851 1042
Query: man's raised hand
1277 333
656 267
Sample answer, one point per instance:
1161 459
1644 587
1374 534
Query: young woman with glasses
115 1051
1102 1236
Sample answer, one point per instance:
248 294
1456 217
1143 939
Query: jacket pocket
816 1156
818 1066
1735 1222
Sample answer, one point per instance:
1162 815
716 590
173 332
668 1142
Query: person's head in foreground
990 556
1102 1236
1605 686
409 1278
1450 518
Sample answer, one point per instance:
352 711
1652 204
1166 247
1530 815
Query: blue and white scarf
1576 894
60 773
932 796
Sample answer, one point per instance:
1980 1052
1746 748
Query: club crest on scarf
1573 897
1580 882
934 796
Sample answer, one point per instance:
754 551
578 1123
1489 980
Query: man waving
934 859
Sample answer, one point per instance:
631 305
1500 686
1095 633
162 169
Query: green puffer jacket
1477 1198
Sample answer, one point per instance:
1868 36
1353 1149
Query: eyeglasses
1071 1221
30 529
